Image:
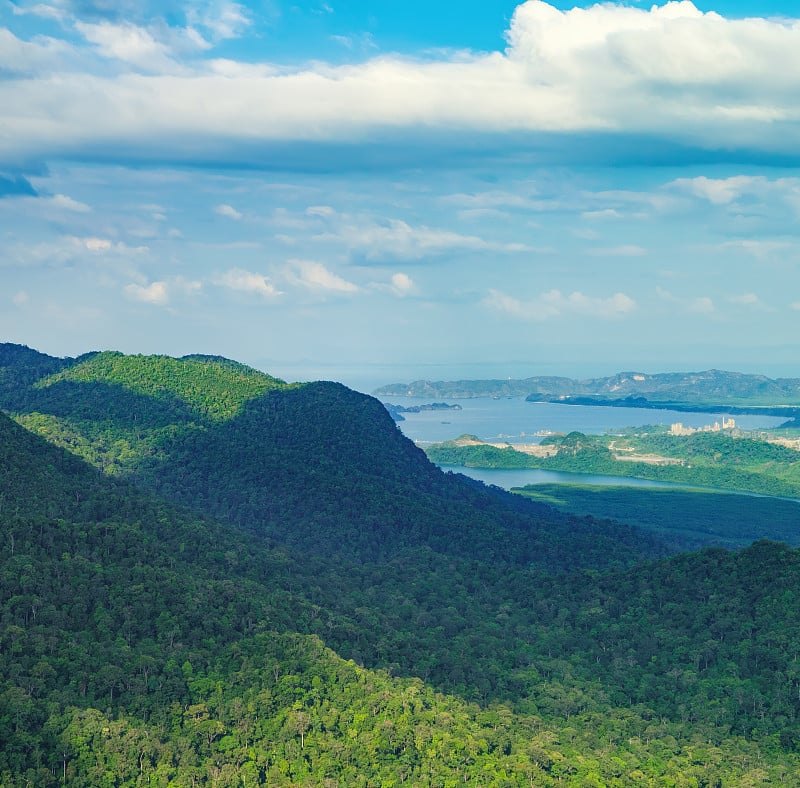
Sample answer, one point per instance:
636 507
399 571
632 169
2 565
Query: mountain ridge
709 385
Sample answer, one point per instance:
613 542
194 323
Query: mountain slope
325 469
141 645
317 467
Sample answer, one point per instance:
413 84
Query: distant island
711 388
397 411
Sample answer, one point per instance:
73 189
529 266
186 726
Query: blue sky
381 191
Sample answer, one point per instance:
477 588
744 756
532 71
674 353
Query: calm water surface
519 477
517 421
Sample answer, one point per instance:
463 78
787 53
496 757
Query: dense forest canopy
276 587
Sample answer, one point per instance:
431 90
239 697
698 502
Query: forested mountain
316 466
146 644
709 386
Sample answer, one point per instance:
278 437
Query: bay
513 420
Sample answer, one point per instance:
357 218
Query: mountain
144 642
317 467
140 644
712 387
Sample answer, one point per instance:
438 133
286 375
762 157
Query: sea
513 420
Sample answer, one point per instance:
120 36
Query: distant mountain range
710 386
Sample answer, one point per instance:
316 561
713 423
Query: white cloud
671 70
247 282
402 284
96 244
316 276
719 191
320 210
102 245
40 10
41 54
229 211
21 298
394 238
155 293
127 42
222 18
68 204
554 304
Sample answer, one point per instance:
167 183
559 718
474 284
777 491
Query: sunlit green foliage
212 387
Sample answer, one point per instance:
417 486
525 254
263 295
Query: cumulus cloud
688 77
247 282
21 298
554 304
229 211
316 276
155 293
160 293
402 284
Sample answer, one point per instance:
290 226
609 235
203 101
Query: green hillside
355 616
317 467
141 646
212 387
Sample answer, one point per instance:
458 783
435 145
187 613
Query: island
397 411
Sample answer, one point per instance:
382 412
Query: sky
378 192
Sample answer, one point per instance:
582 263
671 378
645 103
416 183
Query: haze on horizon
374 194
